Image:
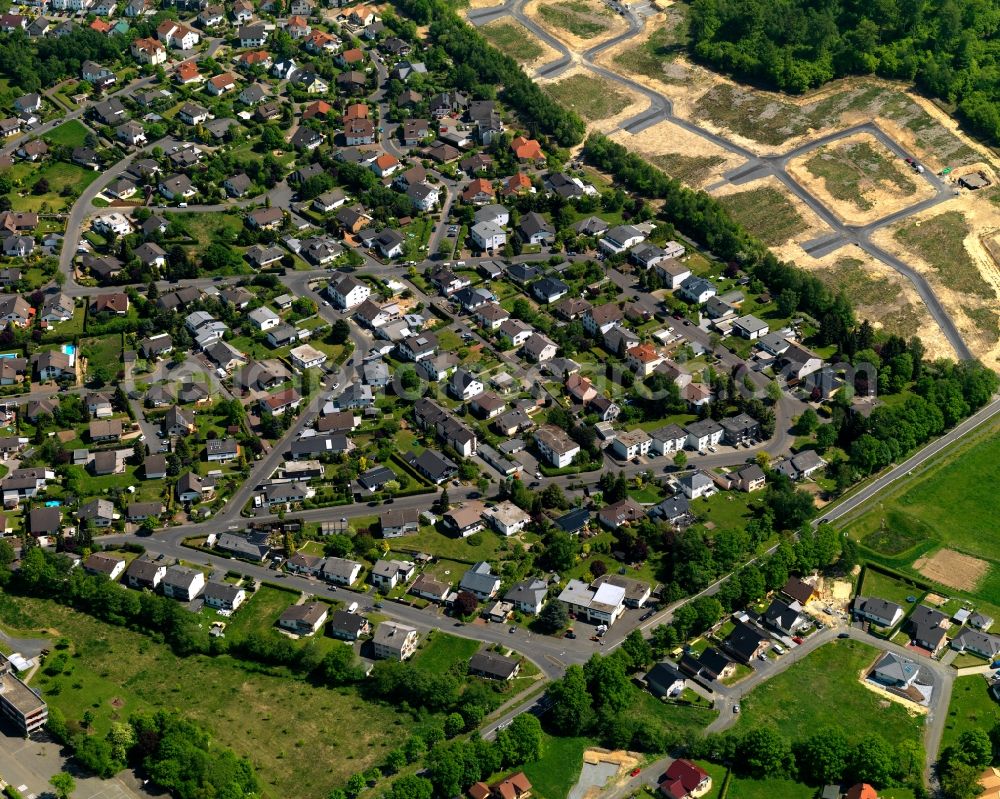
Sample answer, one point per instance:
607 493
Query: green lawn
59 175
303 740
687 720
443 652
557 770
259 612
799 701
885 587
103 352
70 134
740 788
971 707
206 228
445 546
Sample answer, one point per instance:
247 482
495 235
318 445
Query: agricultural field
281 724
831 672
937 525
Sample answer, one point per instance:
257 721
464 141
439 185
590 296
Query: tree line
948 48
480 67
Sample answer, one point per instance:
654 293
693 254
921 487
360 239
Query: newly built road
756 166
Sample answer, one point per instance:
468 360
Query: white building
603 605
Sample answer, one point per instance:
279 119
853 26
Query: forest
947 48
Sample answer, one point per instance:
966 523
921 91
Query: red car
635 772
798 640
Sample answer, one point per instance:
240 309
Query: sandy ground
637 102
883 197
484 3
616 25
548 54
666 137
983 219
951 568
905 315
613 768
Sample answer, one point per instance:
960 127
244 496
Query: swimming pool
68 349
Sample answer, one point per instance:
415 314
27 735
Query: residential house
394 641
602 604
225 597
304 619
877 611
346 626
143 573
480 581
895 671
555 446
183 583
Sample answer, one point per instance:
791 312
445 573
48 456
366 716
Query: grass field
259 612
949 503
513 39
831 674
848 168
206 228
444 652
663 45
592 97
766 212
445 546
740 788
557 770
690 169
59 175
70 134
102 352
971 708
886 587
303 740
577 17
938 240
687 720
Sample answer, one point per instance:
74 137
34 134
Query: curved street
756 166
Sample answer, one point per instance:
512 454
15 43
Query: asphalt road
661 108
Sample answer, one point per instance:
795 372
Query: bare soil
976 313
593 97
951 568
879 294
681 154
859 179
547 55
596 9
